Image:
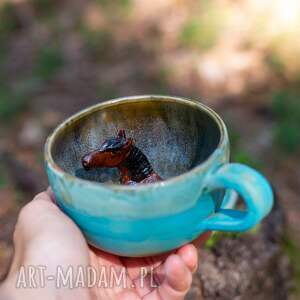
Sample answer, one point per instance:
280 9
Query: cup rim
138 98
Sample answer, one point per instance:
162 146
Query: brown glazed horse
120 152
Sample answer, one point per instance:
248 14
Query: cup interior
176 135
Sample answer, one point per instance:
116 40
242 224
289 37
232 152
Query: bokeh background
240 57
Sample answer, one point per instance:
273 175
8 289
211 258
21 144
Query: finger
129 295
42 219
31 215
178 279
44 234
49 191
47 196
35 213
106 259
25 221
113 268
149 263
189 255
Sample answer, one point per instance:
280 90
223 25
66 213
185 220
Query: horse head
111 153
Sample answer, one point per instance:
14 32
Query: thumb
44 234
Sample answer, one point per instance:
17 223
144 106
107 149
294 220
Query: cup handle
254 189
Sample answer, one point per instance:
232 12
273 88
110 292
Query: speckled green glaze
187 144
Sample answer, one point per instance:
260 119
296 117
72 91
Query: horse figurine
120 152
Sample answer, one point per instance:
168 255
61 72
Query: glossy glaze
191 152
120 152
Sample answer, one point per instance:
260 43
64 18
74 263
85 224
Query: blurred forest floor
239 57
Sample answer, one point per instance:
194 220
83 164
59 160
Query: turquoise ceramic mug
187 144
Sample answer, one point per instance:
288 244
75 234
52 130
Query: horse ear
122 133
132 142
129 142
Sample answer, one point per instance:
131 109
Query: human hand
45 236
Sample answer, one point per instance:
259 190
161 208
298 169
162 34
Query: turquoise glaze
150 219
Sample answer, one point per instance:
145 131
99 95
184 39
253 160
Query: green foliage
243 157
159 82
2 181
97 42
12 101
8 20
106 91
49 61
293 252
43 7
3 52
255 229
116 4
288 135
238 154
218 235
2 177
275 63
203 30
234 137
286 104
286 108
199 35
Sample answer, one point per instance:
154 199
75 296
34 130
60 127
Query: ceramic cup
187 145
